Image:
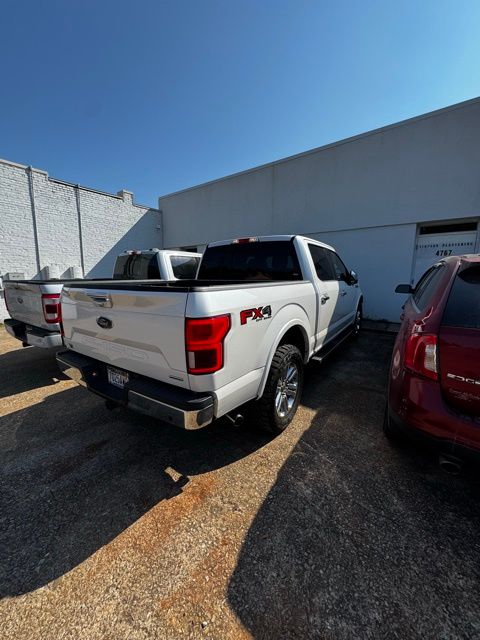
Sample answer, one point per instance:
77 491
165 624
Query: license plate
117 378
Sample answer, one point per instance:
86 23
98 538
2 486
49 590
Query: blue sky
156 96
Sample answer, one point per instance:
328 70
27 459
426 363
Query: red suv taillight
204 343
421 354
52 310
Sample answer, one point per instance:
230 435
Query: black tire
268 417
390 432
357 323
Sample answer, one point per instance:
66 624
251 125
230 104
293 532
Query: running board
322 353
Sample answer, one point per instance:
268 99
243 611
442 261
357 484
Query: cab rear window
184 267
137 266
463 306
268 260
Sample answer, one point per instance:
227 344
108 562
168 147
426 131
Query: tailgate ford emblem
105 323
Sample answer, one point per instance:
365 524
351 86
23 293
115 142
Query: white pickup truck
189 352
34 305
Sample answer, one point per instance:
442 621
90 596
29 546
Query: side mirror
403 288
353 277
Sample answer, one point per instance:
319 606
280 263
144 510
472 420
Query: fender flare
295 322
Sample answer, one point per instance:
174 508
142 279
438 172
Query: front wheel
280 399
357 323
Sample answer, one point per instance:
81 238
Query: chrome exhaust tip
450 465
236 420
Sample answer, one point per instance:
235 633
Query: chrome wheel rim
358 321
287 389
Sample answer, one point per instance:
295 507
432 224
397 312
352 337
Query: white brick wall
110 224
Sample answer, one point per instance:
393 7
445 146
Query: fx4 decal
260 313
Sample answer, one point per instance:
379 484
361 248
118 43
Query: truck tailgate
25 304
134 330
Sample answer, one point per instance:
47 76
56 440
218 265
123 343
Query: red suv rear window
463 306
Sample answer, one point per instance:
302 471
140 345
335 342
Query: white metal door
433 247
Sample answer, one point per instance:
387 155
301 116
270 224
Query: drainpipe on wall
80 233
34 216
160 228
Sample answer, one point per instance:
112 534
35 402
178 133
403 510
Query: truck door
347 300
329 313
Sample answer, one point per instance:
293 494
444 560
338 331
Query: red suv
434 386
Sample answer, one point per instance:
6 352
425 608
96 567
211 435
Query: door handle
324 298
101 299
343 292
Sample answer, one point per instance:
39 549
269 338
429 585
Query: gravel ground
115 526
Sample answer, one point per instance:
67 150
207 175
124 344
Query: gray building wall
46 222
365 195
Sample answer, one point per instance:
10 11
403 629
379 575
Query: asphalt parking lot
115 526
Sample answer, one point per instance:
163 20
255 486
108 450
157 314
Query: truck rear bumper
33 336
180 407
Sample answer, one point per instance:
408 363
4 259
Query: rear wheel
389 430
278 404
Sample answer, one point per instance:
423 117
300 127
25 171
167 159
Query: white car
191 351
34 305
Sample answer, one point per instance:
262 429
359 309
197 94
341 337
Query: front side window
340 270
322 263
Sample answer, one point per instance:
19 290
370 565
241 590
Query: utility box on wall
51 272
73 273
14 275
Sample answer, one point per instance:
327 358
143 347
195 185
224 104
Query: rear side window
269 260
426 286
463 306
137 266
323 264
183 267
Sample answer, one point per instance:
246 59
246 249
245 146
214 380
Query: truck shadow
74 476
27 368
358 539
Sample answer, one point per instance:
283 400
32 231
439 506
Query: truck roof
273 238
167 252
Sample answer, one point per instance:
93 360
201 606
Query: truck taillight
204 339
421 354
245 240
52 310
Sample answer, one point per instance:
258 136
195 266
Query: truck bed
139 326
51 281
186 286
